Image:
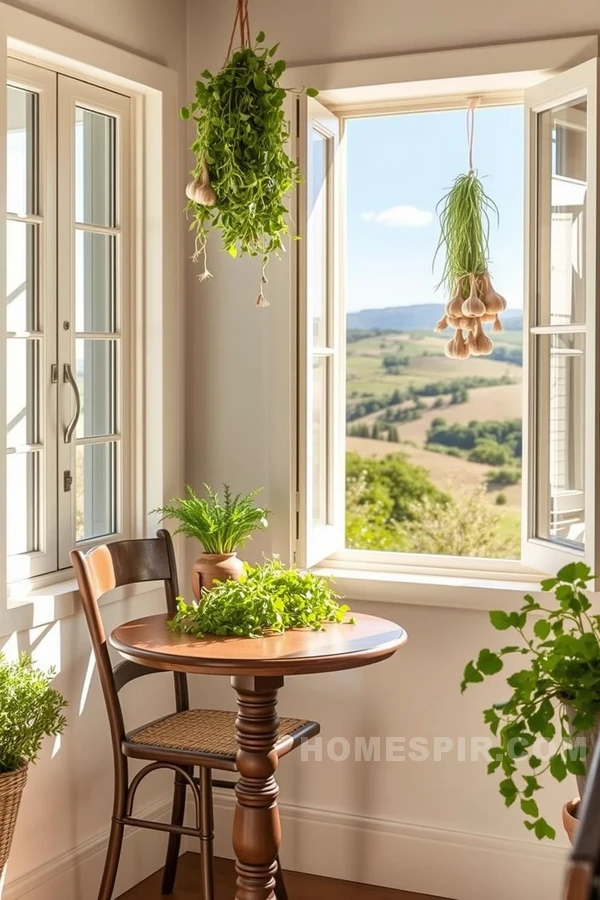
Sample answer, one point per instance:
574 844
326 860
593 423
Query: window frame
158 337
343 88
73 93
43 83
546 554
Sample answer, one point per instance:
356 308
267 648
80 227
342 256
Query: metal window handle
69 379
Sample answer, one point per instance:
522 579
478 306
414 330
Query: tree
465 526
490 453
392 484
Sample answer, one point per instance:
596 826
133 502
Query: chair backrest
105 568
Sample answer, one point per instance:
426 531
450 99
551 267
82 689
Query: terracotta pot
570 817
211 567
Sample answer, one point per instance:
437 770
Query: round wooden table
257 667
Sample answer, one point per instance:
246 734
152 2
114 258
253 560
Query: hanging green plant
243 172
464 215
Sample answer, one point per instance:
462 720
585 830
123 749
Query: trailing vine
243 172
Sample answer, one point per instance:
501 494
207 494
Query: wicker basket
11 790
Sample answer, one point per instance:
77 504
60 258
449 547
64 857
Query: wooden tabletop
149 641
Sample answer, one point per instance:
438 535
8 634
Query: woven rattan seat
207 732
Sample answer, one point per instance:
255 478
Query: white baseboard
436 861
76 875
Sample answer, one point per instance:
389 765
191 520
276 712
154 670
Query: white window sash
319 537
72 94
42 83
541 553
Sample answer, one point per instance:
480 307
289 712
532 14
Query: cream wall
61 833
432 827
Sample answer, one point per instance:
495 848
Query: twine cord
473 104
242 20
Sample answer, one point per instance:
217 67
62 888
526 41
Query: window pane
562 189
561 438
21 120
21 284
95 281
21 502
96 490
320 434
317 237
95 362
22 370
94 168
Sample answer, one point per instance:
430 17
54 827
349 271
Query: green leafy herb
267 599
241 137
221 526
555 698
29 711
464 230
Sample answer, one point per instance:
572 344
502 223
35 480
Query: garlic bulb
454 305
451 348
442 324
473 306
494 302
199 191
479 343
462 346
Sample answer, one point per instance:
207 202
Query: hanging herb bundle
465 225
243 172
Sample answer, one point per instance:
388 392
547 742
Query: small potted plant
554 700
29 711
221 526
267 599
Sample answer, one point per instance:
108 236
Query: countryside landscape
433 444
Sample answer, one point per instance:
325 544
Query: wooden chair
183 741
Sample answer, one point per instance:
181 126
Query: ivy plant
554 700
267 599
243 172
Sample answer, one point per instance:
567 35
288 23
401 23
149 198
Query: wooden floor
300 887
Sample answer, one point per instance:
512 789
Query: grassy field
367 378
366 374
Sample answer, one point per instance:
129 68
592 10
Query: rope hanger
473 104
243 22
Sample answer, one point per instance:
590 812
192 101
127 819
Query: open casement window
67 292
561 453
321 462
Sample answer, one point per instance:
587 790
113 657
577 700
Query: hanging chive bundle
464 216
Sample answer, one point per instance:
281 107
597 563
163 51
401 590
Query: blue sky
399 167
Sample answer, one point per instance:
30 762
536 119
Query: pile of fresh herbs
268 599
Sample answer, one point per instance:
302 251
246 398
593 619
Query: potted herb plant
221 526
30 709
267 599
554 700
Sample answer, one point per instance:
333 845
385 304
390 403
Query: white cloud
399 217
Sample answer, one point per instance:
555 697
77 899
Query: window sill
41 601
469 591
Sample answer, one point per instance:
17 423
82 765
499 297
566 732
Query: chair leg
206 834
174 844
113 852
280 890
